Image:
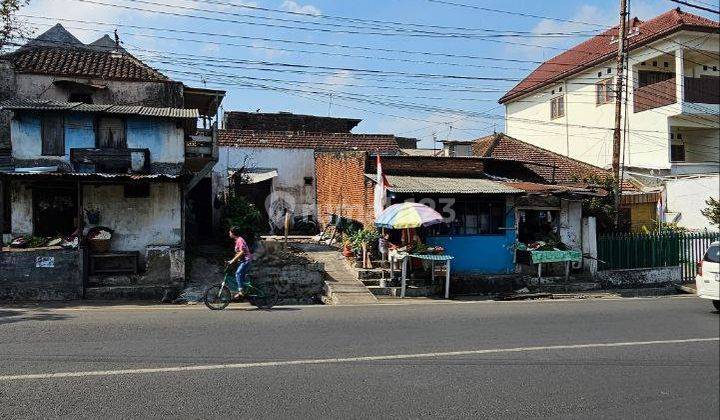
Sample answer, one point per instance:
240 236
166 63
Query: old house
490 204
673 131
97 139
275 154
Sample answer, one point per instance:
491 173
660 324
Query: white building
567 104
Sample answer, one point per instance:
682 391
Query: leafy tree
10 27
712 211
243 214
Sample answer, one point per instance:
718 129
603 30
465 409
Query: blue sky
445 103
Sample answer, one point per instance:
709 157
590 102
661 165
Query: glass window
604 92
712 254
557 107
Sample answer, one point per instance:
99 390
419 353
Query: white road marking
8 378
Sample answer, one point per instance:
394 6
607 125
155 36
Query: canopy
407 215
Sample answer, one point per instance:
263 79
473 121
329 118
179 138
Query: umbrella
407 215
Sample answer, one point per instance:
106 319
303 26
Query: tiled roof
82 61
566 170
44 105
304 140
441 185
600 48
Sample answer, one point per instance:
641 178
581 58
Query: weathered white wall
292 165
585 132
687 196
162 94
138 222
21 222
571 223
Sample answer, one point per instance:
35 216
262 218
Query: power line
695 6
506 12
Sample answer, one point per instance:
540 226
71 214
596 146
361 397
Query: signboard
45 262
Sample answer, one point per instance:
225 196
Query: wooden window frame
555 111
43 146
604 93
97 131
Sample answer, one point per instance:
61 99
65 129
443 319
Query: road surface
640 358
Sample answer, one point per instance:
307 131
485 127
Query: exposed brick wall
283 121
342 187
429 166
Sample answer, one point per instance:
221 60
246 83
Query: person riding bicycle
243 256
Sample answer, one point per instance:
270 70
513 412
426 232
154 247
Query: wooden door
111 133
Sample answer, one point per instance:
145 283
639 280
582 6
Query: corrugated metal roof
43 105
423 184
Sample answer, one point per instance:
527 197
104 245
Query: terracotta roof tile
83 62
599 49
306 140
566 171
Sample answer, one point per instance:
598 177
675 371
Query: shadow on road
11 316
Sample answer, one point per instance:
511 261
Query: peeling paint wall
138 222
571 223
164 138
161 94
21 222
293 166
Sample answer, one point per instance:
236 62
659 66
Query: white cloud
340 78
307 9
72 10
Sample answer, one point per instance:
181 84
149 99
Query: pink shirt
241 245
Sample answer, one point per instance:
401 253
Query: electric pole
617 134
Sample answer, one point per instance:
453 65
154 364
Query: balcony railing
702 90
654 95
110 160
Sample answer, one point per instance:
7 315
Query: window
473 217
604 92
54 211
111 133
712 254
677 152
308 180
557 107
136 190
53 135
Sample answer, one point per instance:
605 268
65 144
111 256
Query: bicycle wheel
217 297
265 296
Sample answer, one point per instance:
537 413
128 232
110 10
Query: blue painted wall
79 132
481 254
163 138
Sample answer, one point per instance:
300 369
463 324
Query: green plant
363 236
712 211
243 214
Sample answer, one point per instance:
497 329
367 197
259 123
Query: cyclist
243 256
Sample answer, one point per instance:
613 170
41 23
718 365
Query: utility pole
617 134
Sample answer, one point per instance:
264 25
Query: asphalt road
639 358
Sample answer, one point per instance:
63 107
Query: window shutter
111 133
53 136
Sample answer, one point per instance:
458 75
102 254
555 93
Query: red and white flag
380 188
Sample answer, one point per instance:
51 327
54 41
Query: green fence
667 249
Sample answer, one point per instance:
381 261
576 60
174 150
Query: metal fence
666 249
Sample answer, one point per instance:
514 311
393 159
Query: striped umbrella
407 215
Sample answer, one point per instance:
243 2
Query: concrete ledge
639 277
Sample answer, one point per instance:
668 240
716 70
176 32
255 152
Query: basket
99 246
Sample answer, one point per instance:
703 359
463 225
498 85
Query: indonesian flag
380 189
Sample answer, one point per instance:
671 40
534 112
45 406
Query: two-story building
567 105
97 139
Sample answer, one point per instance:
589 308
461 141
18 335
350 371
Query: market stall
407 216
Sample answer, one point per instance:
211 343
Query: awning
255 175
432 185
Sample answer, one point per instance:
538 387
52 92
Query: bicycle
217 297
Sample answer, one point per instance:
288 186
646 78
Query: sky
414 83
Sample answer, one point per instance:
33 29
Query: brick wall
283 121
429 166
342 187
